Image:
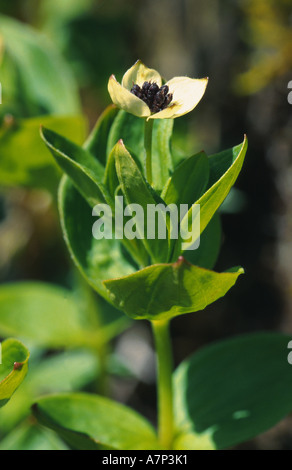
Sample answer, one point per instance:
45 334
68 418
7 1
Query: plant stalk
164 382
148 149
102 379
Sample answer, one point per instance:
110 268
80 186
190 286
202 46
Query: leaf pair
116 268
168 290
225 394
99 184
206 182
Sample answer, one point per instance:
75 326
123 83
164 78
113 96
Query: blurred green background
56 73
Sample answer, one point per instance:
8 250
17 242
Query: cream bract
186 93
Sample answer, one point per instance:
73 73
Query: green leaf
13 368
161 153
191 441
188 182
38 76
231 391
234 203
89 177
111 180
96 143
215 195
185 186
213 198
61 372
210 242
137 191
83 169
130 129
134 246
96 259
66 371
47 315
24 158
220 163
167 290
32 437
84 421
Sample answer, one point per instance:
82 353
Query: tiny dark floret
156 98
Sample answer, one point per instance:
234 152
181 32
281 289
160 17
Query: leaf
213 198
96 259
234 203
13 368
111 180
38 75
84 421
191 441
167 290
96 143
62 372
162 158
24 158
207 253
46 314
185 186
130 129
233 390
215 195
136 191
83 169
219 163
188 181
32 437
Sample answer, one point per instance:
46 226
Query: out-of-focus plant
37 88
268 33
76 328
224 394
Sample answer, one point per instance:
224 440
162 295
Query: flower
142 93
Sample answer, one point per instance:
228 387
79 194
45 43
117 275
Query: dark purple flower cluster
156 98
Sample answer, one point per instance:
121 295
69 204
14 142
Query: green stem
102 379
148 149
164 382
